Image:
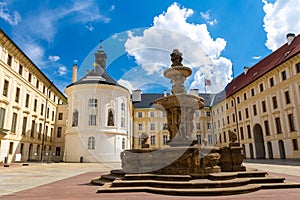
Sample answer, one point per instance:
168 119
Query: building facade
28 107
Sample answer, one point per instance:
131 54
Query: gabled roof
270 62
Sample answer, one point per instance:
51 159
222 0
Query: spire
100 58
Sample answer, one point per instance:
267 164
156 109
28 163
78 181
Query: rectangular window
57 151
164 114
291 122
32 128
20 70
261 87
93 103
48 110
24 125
287 97
139 140
249 131
208 113
266 123
42 109
35 105
238 100
247 113
59 130
44 89
165 126
11 148
152 126
37 84
199 139
295 144
298 67
51 134
252 92
254 110
14 123
9 60
233 118
60 116
228 120
151 114
140 114
198 125
46 133
283 75
197 114
210 139
165 139
242 133
208 125
271 80
29 77
264 107
152 139
278 125
245 96
92 120
140 126
224 136
274 100
5 88
27 100
2 117
52 117
17 98
22 148
40 131
240 115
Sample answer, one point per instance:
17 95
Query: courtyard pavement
41 181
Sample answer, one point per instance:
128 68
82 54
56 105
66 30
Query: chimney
194 92
74 73
290 37
165 93
246 70
136 95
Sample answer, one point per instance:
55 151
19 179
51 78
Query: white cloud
281 17
13 18
89 27
35 53
201 52
62 70
206 16
126 84
53 58
256 57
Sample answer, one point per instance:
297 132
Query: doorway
259 142
281 149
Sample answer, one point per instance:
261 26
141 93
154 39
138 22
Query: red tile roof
270 62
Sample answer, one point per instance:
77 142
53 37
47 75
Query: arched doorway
281 149
251 151
259 142
270 150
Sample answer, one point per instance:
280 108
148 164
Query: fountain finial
176 58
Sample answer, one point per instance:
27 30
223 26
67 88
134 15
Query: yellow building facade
28 107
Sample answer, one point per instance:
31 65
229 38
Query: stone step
157 177
267 180
223 176
109 177
198 183
184 191
248 174
280 185
117 172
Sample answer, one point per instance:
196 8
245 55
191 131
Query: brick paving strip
79 187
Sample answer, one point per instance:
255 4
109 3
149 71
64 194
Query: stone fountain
184 167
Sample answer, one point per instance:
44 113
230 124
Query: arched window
110 118
123 115
91 143
123 143
75 118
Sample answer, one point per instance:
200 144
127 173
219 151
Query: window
11 148
140 126
287 97
14 123
2 117
42 109
283 75
29 77
92 120
254 110
9 60
110 118
48 110
295 144
199 139
21 148
228 120
44 89
245 96
207 113
139 140
5 88
17 97
20 70
242 133
208 125
58 133
274 100
220 138
198 125
298 67
264 108
57 151
91 143
152 140
224 135
93 103
164 114
35 105
123 115
152 126
238 99
51 135
27 100
210 139
233 118
197 114
247 113
271 80
240 115
24 125
252 92
32 128
40 131
278 125
266 123
75 118
140 114
151 114
60 116
37 84
165 126
123 143
249 131
46 133
165 139
291 122
261 87
53 113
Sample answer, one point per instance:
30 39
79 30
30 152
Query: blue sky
215 36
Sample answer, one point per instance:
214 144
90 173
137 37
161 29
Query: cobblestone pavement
71 181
